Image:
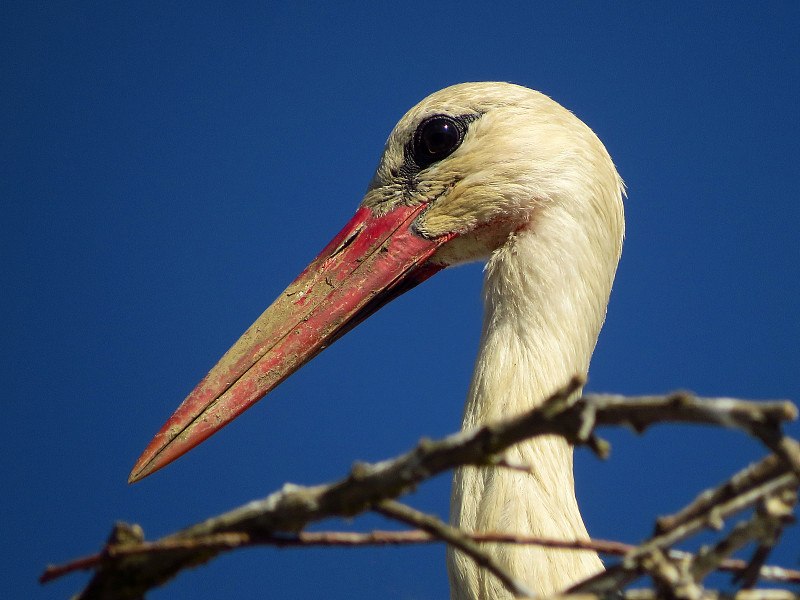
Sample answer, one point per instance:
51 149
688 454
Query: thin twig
624 573
746 479
774 514
648 594
453 536
229 541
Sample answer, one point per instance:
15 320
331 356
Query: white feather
533 191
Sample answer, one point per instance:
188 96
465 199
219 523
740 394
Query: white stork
477 171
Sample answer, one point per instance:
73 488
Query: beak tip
148 463
138 472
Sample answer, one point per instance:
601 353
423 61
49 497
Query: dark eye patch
437 137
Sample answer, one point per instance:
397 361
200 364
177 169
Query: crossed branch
128 566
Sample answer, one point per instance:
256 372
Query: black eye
437 138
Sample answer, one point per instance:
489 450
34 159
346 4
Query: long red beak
371 261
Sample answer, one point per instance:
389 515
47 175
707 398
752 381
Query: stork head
485 159
461 172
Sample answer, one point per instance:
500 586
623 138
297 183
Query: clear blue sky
165 171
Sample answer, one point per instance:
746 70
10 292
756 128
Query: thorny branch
128 566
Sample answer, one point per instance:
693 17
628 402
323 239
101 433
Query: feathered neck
545 294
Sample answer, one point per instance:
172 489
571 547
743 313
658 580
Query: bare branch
624 573
743 481
453 536
648 594
773 516
230 541
125 573
641 412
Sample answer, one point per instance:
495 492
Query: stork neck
544 304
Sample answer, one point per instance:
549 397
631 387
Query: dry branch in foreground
128 566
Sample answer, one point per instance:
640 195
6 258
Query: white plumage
477 171
550 195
